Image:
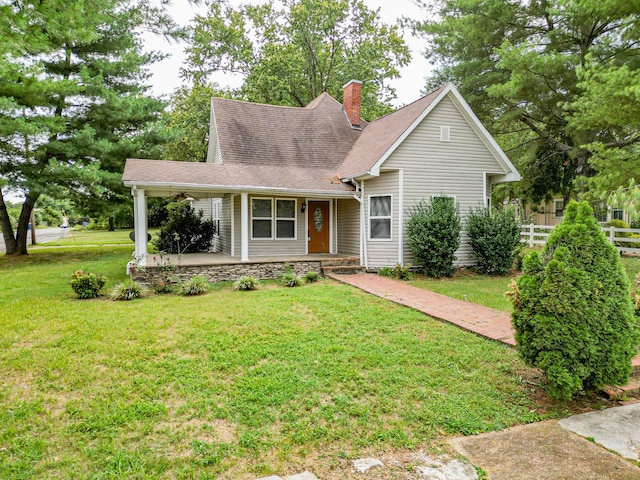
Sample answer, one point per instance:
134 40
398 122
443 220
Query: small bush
622 224
386 272
494 238
572 313
433 234
311 277
185 231
165 278
290 279
400 272
246 283
194 286
127 290
87 285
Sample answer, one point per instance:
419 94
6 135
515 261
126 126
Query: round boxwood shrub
494 238
433 234
573 314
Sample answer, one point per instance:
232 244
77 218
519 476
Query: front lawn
231 384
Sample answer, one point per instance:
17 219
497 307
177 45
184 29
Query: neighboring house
302 181
552 212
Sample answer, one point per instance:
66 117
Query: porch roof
169 177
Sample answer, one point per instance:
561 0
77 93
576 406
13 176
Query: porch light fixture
304 207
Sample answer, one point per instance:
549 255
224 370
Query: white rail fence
625 239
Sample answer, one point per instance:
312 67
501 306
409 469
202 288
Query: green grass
229 384
94 237
490 291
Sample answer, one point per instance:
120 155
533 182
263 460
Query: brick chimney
351 102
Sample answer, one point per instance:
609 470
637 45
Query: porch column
140 224
244 227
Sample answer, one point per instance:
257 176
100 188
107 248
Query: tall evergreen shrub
185 231
433 234
494 238
573 314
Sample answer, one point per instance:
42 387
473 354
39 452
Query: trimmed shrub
194 286
127 290
246 283
87 285
399 272
433 234
494 238
185 231
311 277
386 272
572 312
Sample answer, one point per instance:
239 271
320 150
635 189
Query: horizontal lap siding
348 231
383 253
453 168
225 225
271 247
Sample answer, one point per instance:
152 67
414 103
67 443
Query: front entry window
261 217
273 218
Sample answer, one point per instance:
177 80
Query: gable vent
445 133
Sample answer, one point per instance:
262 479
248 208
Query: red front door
318 221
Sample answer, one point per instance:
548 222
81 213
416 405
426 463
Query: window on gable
558 207
380 217
261 218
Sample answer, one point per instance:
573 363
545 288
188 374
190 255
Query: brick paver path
484 321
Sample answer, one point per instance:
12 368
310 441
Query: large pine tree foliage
573 314
73 101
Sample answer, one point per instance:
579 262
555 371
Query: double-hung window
558 207
273 218
380 217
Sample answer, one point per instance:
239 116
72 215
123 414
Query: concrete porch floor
202 259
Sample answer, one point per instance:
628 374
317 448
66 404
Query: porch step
341 269
341 265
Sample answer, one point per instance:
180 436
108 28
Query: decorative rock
303 476
364 464
454 470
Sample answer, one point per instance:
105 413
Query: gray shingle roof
318 136
195 175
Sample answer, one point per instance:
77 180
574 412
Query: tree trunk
23 222
6 227
112 225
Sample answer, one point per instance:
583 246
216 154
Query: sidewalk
484 321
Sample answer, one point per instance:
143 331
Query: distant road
43 235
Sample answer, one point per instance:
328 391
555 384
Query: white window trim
274 218
555 209
390 217
294 218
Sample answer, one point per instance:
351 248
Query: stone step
617 393
333 262
341 269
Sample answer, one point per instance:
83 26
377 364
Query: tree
573 315
73 102
555 80
187 122
289 55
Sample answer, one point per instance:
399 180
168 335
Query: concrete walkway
483 321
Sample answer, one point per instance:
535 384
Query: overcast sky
166 73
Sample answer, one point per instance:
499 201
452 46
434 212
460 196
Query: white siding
348 230
455 168
382 253
271 248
